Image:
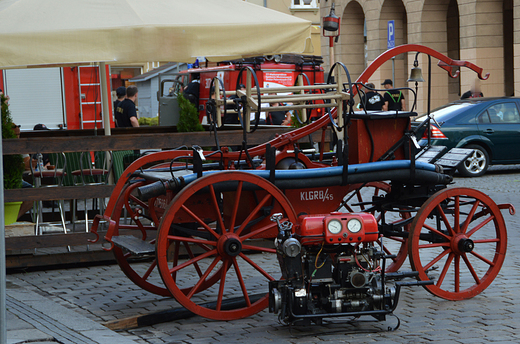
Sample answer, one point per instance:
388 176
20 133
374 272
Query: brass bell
416 74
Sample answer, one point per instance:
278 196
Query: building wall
309 12
483 32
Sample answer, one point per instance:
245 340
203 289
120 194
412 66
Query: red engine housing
313 229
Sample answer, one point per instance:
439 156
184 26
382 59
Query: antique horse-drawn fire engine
342 226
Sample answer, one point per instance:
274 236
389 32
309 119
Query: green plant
188 117
151 121
294 120
13 164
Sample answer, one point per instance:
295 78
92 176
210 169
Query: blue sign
391 34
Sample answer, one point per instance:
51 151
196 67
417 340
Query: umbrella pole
104 91
106 113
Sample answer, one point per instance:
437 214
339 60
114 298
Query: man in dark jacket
371 100
394 99
192 90
126 112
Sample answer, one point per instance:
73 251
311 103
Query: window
504 113
304 4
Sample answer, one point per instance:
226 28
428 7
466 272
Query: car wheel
477 164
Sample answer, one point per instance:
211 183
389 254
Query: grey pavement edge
32 317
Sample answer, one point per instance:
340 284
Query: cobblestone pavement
104 293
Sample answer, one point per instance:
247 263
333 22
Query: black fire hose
400 175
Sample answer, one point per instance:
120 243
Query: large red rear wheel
229 215
360 200
462 232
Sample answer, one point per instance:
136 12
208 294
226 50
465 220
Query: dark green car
490 126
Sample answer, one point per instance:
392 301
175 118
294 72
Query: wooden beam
57 240
57 193
31 261
31 145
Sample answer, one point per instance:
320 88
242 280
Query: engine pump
330 267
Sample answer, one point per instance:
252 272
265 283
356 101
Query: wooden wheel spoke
486 241
259 231
482 258
457 213
204 247
257 267
197 286
235 206
150 269
401 240
192 261
436 259
220 295
192 240
430 228
480 225
446 222
360 199
440 244
349 209
200 222
259 249
471 269
217 208
444 271
191 255
241 282
470 216
253 213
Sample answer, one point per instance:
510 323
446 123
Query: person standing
371 100
394 99
120 93
474 92
192 91
126 112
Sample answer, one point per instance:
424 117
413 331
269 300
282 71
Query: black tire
477 164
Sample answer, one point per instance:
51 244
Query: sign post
390 43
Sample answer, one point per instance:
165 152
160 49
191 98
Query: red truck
271 71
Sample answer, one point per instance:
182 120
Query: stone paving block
28 335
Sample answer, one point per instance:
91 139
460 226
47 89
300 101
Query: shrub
189 116
13 164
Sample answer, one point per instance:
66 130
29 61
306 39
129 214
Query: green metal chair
94 169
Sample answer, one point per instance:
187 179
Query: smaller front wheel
477 164
458 240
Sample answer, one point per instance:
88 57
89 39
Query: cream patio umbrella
50 32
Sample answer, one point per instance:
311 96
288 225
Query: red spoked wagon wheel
230 215
462 232
149 278
360 199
